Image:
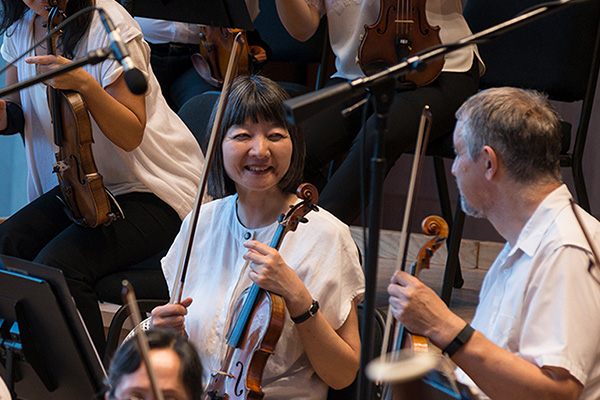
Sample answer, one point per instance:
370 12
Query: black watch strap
314 307
459 341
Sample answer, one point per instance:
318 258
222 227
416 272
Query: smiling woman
256 156
257 167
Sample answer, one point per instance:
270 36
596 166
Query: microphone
134 78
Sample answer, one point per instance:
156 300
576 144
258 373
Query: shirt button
247 235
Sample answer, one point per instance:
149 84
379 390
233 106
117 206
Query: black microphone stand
93 57
382 86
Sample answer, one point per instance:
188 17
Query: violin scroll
308 192
432 225
309 195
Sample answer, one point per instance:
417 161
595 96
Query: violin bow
415 177
236 51
140 337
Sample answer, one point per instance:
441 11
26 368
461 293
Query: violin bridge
404 21
223 373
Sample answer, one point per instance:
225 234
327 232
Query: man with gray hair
536 331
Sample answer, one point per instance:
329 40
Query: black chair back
290 58
552 54
557 54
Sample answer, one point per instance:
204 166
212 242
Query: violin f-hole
238 382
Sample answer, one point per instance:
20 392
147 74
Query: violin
405 342
85 198
400 31
432 225
257 322
216 45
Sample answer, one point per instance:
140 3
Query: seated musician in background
330 136
175 363
172 44
148 158
257 167
535 331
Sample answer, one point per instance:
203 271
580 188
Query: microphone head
136 82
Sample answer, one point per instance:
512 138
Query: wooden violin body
84 195
80 183
401 30
258 342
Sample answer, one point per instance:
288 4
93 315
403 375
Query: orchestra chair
548 55
114 337
297 66
440 149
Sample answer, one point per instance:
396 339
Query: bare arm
334 355
503 375
298 18
120 114
499 374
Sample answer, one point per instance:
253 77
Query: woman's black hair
13 10
127 359
255 98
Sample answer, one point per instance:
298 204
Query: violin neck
238 329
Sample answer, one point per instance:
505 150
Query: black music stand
46 351
222 13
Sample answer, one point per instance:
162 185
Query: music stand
221 13
46 351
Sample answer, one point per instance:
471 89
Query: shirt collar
543 217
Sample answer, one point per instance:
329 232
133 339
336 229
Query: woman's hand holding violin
171 317
269 271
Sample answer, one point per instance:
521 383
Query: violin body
84 195
216 45
241 373
401 30
81 184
